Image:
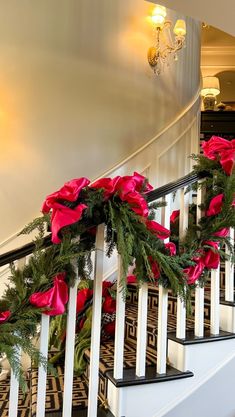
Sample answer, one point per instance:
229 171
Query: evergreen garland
127 231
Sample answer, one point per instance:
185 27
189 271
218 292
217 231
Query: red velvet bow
4 315
61 215
108 184
170 246
69 192
223 149
211 258
106 285
222 232
194 272
155 271
131 279
155 268
174 216
83 296
157 229
64 216
128 188
215 205
109 328
109 305
54 299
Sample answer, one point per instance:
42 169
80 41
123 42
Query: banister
173 186
21 252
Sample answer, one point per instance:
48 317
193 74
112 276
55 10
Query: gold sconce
210 89
165 47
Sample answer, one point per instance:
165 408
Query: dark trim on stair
227 303
130 378
22 251
191 339
78 412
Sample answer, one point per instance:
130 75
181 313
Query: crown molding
219 67
218 50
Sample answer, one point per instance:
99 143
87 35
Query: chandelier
165 48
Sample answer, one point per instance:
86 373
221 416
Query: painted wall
77 95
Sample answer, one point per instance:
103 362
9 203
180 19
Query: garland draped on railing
73 214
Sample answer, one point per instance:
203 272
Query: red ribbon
174 216
69 192
83 296
170 246
155 272
4 315
61 215
54 300
215 205
109 305
157 229
223 149
109 328
222 232
128 188
194 272
155 268
64 216
131 279
211 258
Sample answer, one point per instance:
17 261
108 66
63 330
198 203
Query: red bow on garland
61 215
222 149
128 188
209 259
53 300
4 315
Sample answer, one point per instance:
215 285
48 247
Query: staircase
157 359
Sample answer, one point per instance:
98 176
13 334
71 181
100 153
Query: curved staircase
186 362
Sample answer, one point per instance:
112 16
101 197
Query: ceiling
215 37
214 12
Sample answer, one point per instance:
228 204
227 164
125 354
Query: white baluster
215 301
96 324
42 373
229 272
199 312
14 384
162 330
142 330
119 327
69 350
163 302
14 391
199 291
181 310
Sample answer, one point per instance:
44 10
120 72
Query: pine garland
128 232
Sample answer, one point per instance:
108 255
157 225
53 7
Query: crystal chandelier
165 48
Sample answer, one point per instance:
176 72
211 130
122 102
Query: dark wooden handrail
160 192
171 187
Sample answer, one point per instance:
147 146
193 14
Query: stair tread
54 392
107 356
152 324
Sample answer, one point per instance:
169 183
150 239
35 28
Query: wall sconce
210 89
165 47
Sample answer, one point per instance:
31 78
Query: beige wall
77 95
